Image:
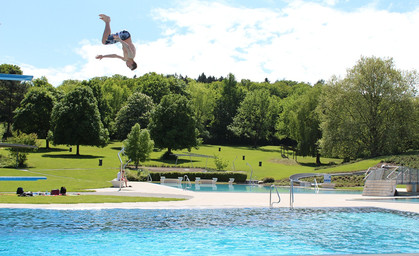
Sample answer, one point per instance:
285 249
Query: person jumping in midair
124 38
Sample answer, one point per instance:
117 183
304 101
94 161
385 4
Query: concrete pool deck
199 200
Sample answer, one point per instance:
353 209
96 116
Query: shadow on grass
116 148
48 150
172 162
72 156
270 150
313 165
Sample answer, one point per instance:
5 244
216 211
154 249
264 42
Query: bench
198 180
165 180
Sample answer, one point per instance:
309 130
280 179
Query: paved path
223 200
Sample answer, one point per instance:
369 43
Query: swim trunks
124 35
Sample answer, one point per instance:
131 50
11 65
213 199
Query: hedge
239 177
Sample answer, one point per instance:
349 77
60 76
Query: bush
21 154
268 180
221 176
410 159
220 164
131 176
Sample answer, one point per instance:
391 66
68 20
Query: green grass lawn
14 199
78 173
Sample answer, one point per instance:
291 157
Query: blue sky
296 40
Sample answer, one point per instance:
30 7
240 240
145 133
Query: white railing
251 173
188 182
270 196
292 195
316 187
367 173
122 175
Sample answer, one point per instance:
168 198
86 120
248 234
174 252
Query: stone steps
379 188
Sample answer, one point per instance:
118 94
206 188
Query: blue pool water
253 188
412 200
208 232
21 178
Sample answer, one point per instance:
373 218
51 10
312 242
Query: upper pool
252 231
253 188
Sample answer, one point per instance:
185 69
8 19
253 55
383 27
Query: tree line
372 111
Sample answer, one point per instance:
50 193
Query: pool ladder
188 182
271 204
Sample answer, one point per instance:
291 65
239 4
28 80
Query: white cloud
87 68
302 42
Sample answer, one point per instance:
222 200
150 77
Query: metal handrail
391 173
270 196
316 186
186 178
251 173
292 195
149 179
367 173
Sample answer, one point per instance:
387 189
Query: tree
76 120
299 121
154 85
226 109
369 112
173 125
34 113
103 106
203 103
137 110
42 82
255 117
2 131
11 94
116 93
138 145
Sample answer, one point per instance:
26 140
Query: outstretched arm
99 57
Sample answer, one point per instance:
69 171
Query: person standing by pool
121 177
124 37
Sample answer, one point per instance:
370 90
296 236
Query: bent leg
107 30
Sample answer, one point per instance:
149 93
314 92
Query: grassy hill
77 173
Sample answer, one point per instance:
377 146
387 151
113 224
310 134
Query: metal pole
251 173
292 195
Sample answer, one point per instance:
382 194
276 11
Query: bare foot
105 18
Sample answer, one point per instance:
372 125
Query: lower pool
253 188
252 231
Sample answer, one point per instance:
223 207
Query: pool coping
202 200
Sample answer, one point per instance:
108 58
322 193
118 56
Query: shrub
131 176
268 180
21 154
220 164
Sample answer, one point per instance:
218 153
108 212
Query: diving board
22 178
14 77
8 145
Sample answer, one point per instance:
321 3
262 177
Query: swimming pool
21 178
252 231
409 200
253 188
